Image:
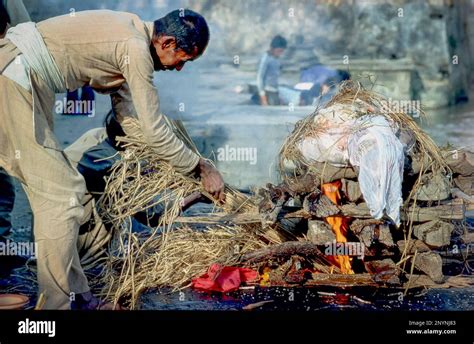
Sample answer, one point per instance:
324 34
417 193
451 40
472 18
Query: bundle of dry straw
166 257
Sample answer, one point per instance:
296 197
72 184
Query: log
460 161
284 251
358 224
327 173
320 205
340 280
423 281
372 233
320 232
303 185
222 218
454 210
360 211
459 253
434 187
383 270
431 264
435 233
414 245
302 213
418 162
351 190
466 184
468 200
320 173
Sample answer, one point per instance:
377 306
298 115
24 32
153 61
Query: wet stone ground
311 299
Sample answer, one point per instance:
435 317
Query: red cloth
224 278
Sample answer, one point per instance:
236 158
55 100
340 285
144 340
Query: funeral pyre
366 199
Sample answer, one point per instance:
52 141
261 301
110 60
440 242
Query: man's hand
211 179
263 100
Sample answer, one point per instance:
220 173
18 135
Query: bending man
114 52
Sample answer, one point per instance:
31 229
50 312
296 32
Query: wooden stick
221 218
321 173
284 250
454 210
40 303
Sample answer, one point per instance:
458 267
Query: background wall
432 34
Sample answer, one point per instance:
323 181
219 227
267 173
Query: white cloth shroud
370 143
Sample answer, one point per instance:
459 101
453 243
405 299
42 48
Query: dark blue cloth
95 165
93 170
318 74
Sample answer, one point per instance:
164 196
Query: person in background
12 12
269 72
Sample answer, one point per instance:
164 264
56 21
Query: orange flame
339 224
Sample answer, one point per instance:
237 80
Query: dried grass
172 260
165 257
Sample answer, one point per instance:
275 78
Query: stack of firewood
437 191
297 210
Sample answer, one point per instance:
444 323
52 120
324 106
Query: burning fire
339 224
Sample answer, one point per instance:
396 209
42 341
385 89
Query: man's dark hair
188 28
278 42
4 18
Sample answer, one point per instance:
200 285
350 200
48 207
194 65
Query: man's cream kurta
105 50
